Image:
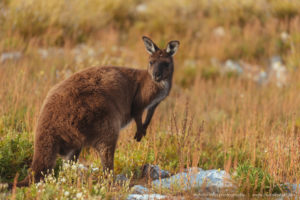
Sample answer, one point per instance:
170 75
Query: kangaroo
93 105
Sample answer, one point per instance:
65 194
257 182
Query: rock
293 188
10 56
44 53
211 179
121 178
219 31
277 71
154 172
254 72
262 78
233 66
141 8
51 52
193 170
146 197
138 189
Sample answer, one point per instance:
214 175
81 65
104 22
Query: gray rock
44 53
10 56
121 178
275 59
138 189
262 78
293 188
146 197
233 66
193 170
154 172
277 71
211 179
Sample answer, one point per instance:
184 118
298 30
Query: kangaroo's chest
161 95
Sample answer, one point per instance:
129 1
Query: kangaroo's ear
172 47
150 45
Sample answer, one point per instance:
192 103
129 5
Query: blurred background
242 36
237 68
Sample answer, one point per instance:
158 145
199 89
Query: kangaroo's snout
157 76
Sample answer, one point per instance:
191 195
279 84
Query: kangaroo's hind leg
105 144
106 152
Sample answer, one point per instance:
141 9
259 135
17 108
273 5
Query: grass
75 181
210 120
255 180
15 151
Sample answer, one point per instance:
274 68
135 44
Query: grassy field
210 120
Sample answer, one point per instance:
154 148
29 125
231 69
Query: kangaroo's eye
151 62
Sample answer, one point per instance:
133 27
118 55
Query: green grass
74 181
255 180
16 153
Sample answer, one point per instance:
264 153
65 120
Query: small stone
138 189
193 170
154 172
10 56
213 180
292 188
121 178
233 66
146 197
278 71
44 53
296 188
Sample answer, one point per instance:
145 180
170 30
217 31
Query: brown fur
90 108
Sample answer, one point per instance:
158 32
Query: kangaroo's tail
44 157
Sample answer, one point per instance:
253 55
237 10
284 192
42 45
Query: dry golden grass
230 121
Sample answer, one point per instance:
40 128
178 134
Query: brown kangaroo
90 107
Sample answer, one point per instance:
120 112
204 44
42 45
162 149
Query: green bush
15 155
210 73
255 180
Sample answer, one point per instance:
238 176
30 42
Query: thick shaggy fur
90 107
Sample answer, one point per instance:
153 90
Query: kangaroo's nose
157 76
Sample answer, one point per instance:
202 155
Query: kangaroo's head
161 65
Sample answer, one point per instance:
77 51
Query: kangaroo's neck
150 92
